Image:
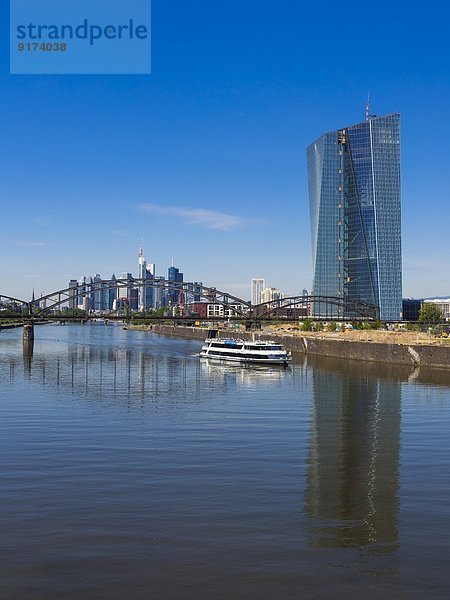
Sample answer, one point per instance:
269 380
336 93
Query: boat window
264 347
228 355
229 345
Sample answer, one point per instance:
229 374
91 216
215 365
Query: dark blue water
129 469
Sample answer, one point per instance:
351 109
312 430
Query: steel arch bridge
209 294
316 307
319 307
13 304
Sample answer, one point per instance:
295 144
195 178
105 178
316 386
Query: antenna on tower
141 252
368 107
172 262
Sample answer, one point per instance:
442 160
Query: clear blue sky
214 142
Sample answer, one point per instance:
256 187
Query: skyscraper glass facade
174 275
354 188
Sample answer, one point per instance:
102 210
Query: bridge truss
294 308
13 304
317 307
56 300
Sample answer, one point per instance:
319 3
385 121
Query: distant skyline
205 159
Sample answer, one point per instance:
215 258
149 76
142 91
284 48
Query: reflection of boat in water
252 375
239 351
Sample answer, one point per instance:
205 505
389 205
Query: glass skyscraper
354 190
174 275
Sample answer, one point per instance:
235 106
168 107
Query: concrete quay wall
402 354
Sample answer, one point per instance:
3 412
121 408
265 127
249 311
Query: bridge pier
28 332
28 345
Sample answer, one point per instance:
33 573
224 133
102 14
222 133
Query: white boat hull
283 362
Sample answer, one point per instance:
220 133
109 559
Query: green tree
430 313
307 325
77 313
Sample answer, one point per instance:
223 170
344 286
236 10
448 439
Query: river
130 470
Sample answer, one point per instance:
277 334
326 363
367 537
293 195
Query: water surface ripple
132 470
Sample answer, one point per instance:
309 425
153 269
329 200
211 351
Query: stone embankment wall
11 326
403 354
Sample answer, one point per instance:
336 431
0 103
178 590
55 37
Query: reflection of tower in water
352 487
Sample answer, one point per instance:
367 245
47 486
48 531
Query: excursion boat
235 350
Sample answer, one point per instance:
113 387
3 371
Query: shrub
307 325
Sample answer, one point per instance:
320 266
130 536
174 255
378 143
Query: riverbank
11 326
138 327
20 324
364 345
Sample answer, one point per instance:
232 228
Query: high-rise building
112 293
193 292
270 294
354 190
96 295
198 286
257 287
146 293
123 290
105 294
174 275
73 298
160 291
142 274
127 294
84 288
